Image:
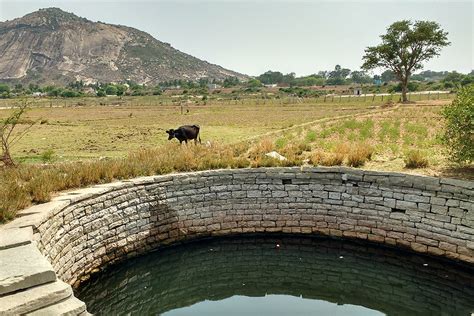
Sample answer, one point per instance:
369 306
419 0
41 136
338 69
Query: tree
456 80
459 135
121 89
253 83
404 47
7 135
387 76
101 93
4 88
111 90
360 77
230 82
338 76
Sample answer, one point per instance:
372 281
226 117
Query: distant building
378 82
357 90
38 94
271 85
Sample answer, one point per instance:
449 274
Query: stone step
34 298
14 237
69 307
23 267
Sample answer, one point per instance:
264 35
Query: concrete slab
23 267
34 298
70 306
14 237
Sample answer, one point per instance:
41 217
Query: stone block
405 205
14 237
34 298
70 306
23 267
418 247
416 198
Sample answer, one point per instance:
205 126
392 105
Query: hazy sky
289 36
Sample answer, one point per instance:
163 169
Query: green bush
69 94
47 156
111 90
4 88
459 134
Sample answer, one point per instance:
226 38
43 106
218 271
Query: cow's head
170 133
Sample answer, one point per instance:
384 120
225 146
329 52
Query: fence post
373 98
382 97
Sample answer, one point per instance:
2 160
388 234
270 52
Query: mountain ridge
51 46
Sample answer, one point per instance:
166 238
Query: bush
111 90
69 94
319 157
459 134
415 159
359 155
47 155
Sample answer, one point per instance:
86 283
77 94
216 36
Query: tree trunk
404 91
6 158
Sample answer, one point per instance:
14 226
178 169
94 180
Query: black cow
185 133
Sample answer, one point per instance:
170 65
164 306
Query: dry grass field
71 133
78 146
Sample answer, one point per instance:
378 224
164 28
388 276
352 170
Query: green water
281 276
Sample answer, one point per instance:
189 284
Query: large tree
404 47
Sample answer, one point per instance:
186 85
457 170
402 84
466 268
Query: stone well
80 232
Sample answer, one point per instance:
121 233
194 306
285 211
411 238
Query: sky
253 36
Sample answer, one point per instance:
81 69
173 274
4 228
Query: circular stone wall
88 229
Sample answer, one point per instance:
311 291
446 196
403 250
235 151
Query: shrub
281 142
111 90
415 159
459 134
316 157
311 136
319 157
69 94
359 155
12 198
332 159
47 155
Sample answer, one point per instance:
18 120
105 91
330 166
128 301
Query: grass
415 159
118 145
94 131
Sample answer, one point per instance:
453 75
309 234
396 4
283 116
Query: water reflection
240 274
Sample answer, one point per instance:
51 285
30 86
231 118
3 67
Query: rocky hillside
53 46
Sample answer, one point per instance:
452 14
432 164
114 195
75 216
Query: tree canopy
404 47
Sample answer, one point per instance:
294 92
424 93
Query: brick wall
108 223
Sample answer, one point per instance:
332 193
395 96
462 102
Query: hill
54 46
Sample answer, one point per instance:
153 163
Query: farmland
93 131
80 145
